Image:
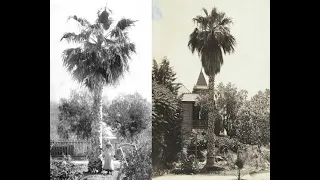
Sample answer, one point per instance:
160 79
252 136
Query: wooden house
191 112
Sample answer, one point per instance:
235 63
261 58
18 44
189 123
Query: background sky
139 77
248 67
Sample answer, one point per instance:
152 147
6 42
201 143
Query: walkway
260 176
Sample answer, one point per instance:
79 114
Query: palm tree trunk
97 120
96 133
210 134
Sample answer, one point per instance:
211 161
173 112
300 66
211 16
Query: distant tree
228 101
129 115
245 120
163 74
211 39
76 115
254 119
54 120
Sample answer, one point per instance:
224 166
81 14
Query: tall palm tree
100 59
211 39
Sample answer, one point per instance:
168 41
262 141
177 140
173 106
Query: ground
259 176
83 165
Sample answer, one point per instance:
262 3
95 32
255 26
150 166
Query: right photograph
211 89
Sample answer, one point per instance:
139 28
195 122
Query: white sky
139 77
248 67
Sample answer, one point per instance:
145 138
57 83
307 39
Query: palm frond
228 44
124 24
101 58
75 38
201 21
226 21
71 58
193 43
205 11
211 39
83 22
120 35
105 19
214 14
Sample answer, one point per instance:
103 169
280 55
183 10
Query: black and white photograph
211 89
100 89
160 89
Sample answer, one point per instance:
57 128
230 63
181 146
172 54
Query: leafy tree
100 59
245 120
163 74
228 101
211 39
253 120
129 115
166 114
76 115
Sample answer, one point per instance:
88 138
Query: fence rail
76 149
72 148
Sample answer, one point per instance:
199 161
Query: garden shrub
95 164
139 164
187 163
64 169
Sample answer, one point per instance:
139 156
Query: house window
196 112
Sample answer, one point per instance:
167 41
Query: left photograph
100 89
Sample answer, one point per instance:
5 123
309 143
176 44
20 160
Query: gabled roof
183 90
190 97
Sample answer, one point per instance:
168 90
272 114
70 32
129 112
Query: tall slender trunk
97 119
211 119
96 133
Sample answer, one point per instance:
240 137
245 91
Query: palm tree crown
211 38
104 51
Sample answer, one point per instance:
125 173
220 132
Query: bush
139 164
187 163
225 144
64 169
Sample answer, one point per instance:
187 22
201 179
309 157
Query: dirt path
259 176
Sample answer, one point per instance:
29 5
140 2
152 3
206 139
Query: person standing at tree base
107 155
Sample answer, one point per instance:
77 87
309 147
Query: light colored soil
259 176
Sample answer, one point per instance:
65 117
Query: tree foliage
166 114
211 39
253 120
163 74
104 51
75 115
129 115
246 120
